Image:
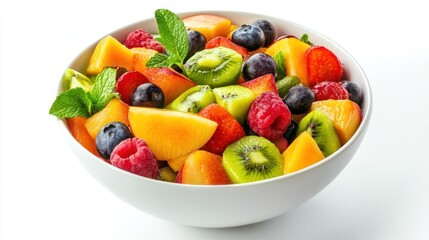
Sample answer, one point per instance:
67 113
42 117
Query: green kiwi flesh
193 99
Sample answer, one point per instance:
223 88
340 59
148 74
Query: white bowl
227 205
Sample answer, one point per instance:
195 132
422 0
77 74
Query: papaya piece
78 130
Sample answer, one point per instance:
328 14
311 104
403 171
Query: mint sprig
76 102
280 60
173 36
305 39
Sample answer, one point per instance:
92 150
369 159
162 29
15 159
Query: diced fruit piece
226 42
141 57
147 95
322 65
77 129
177 163
141 39
329 90
73 79
235 99
269 30
285 84
265 83
257 65
202 167
171 82
249 36
355 92
322 130
193 99
133 155
127 83
170 134
167 174
110 136
110 52
299 99
227 132
252 158
197 42
268 116
210 26
302 153
281 143
215 67
345 114
115 111
294 50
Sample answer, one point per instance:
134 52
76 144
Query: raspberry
268 116
141 38
133 155
329 90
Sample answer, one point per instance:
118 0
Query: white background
382 194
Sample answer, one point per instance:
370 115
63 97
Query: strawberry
127 83
322 65
227 132
259 85
226 42
329 90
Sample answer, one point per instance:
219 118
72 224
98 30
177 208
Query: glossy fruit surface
197 42
110 136
355 92
127 84
299 99
248 36
147 95
269 30
329 90
322 65
258 65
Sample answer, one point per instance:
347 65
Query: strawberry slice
259 85
227 131
322 65
226 42
127 83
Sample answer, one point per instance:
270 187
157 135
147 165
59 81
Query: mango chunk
210 26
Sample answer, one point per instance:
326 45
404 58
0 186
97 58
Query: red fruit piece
141 38
268 116
259 85
227 131
322 65
329 90
127 83
133 155
281 143
226 42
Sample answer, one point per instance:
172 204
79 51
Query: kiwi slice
322 129
283 85
167 174
215 67
235 99
193 99
252 158
73 79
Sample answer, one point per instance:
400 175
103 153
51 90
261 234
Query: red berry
127 83
329 90
268 116
141 38
227 131
133 155
322 65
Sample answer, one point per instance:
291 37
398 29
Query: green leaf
280 60
305 39
172 32
158 60
71 103
103 90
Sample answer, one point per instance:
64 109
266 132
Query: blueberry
148 95
197 42
257 65
290 133
299 99
248 36
355 93
269 30
110 136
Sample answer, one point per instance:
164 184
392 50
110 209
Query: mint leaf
280 60
71 103
103 90
174 38
304 38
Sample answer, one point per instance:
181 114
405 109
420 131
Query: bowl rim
366 114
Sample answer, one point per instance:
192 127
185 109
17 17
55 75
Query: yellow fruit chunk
141 57
110 52
170 134
345 114
177 163
115 111
294 50
210 26
302 153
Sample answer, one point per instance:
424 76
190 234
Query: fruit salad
207 101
